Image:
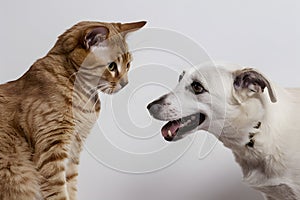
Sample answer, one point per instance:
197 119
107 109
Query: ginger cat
48 112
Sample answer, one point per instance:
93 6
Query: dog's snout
150 105
156 103
153 108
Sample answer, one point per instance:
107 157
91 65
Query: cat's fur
48 112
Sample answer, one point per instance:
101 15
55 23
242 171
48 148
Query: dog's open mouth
181 126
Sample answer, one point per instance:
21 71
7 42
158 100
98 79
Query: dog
255 118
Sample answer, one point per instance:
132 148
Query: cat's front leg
71 177
72 166
51 164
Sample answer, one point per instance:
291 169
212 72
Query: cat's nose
123 83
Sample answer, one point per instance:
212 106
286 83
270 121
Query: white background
264 34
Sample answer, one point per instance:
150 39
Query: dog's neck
252 142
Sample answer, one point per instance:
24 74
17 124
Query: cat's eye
112 66
197 87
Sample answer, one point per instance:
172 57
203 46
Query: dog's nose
149 105
156 105
153 107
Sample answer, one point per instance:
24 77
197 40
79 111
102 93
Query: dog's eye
197 87
112 66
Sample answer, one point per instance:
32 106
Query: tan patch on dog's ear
251 81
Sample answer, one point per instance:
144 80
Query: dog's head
209 98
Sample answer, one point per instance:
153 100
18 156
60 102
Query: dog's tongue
169 130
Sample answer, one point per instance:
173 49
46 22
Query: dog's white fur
272 164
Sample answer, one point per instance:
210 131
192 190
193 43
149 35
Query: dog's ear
181 76
95 36
249 82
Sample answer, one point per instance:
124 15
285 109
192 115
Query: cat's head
98 53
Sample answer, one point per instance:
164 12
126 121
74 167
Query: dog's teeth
169 133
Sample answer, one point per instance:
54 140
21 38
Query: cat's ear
130 27
95 37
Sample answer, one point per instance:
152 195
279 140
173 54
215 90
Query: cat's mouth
108 88
177 128
112 87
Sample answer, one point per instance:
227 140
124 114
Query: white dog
257 120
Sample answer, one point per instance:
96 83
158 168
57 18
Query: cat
47 113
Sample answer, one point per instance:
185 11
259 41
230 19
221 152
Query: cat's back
8 94
14 94
8 104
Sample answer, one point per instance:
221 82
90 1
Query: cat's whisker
105 87
102 85
89 77
92 95
110 91
86 87
94 106
90 99
97 87
107 90
74 74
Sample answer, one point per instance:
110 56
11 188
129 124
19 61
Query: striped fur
47 113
